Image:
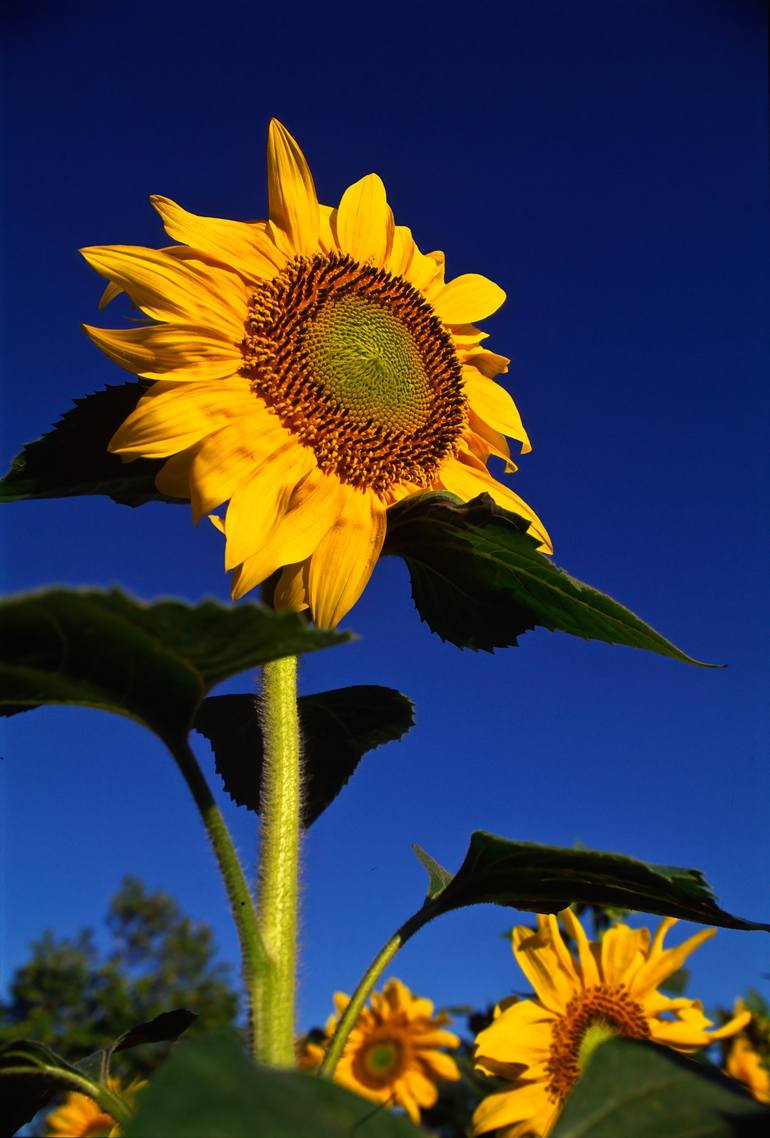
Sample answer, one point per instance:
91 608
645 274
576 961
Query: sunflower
610 989
392 1054
745 1064
80 1117
309 371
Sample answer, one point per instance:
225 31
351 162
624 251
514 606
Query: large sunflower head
309 370
394 1053
80 1117
610 988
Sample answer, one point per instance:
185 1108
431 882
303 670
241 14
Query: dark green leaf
209 1088
338 728
28 1081
642 1091
478 580
545 879
151 662
165 1028
73 457
438 877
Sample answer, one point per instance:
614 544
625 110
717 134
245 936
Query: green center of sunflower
367 359
356 364
383 1058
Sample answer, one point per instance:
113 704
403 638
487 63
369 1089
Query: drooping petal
468 298
309 515
662 964
459 478
173 478
173 417
488 363
292 201
230 456
290 592
588 965
172 288
180 352
259 502
365 221
343 562
240 245
494 405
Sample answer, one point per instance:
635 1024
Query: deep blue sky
606 163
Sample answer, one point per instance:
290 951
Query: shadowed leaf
639 1090
209 1088
151 662
545 879
338 728
72 458
479 582
28 1081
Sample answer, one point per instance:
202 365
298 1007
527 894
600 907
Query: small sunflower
80 1117
542 1045
745 1064
392 1055
309 371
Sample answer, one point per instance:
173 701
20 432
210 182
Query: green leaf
438 877
338 728
640 1090
72 458
28 1081
545 879
151 662
479 582
164 1028
209 1088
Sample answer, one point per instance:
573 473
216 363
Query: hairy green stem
363 991
254 959
280 804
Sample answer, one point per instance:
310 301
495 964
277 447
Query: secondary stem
363 991
280 803
254 960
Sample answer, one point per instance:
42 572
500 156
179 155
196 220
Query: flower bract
607 988
308 371
394 1054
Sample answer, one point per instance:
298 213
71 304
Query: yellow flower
542 1045
745 1064
80 1117
309 370
392 1054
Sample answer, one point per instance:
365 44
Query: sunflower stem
357 1001
279 861
254 959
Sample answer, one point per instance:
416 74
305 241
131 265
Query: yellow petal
468 298
172 288
401 251
169 351
495 406
310 513
292 201
440 1065
622 952
238 245
507 1107
520 1034
467 483
263 498
423 1090
230 456
588 966
343 562
290 592
662 964
365 221
553 978
173 478
172 417
493 441
488 363
423 271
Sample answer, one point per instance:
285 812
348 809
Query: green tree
76 999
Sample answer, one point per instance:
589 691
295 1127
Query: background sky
606 163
